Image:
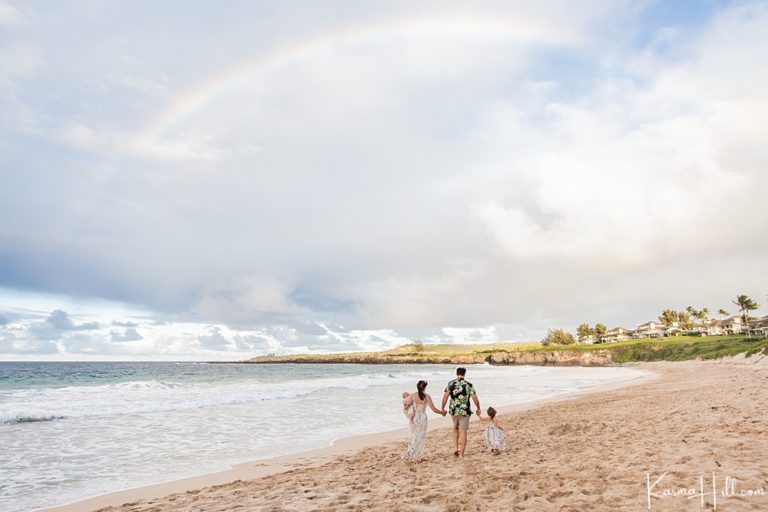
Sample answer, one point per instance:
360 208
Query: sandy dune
593 452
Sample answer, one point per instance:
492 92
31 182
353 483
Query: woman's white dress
417 441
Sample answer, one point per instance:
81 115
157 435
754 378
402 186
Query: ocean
72 430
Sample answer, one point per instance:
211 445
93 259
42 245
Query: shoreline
341 447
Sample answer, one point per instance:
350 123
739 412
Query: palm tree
684 320
701 315
723 313
668 317
746 305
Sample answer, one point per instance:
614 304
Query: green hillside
678 348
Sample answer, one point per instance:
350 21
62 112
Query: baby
408 409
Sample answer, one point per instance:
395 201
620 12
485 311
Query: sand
698 426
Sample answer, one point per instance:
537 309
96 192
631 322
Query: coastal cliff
554 358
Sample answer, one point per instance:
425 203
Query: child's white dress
494 438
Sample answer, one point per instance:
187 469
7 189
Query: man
459 391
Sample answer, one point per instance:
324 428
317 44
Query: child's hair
420 387
491 412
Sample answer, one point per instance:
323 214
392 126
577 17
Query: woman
417 441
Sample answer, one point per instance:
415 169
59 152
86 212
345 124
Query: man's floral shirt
459 390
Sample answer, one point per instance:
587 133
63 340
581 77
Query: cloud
214 339
51 328
322 303
472 335
18 62
10 15
253 343
60 320
10 344
310 328
129 334
6 344
635 167
110 142
4 320
87 343
246 298
124 323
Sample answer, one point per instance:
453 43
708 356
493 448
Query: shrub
558 337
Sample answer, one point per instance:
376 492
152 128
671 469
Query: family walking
457 396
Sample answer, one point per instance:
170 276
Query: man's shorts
460 423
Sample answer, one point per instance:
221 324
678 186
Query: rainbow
197 98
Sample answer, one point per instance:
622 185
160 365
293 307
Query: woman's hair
491 412
420 387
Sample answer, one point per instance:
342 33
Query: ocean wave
154 396
9 419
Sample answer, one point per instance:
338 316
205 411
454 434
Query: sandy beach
691 439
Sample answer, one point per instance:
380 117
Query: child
494 434
408 409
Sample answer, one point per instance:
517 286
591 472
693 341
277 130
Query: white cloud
472 335
246 298
18 61
213 339
10 16
114 143
57 324
631 172
129 334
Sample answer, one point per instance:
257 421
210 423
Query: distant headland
676 348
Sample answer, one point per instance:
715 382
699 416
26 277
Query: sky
205 180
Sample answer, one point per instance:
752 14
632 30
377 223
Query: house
617 334
732 325
711 327
650 329
706 327
759 327
673 330
588 340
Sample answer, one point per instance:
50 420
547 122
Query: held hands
443 412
